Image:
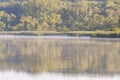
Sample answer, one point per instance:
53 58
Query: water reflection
37 55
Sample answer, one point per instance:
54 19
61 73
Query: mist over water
54 76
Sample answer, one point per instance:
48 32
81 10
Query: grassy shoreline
104 34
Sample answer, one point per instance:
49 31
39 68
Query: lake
59 58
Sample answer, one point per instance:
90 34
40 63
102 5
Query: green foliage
6 19
60 15
2 26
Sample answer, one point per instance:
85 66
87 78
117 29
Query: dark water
66 56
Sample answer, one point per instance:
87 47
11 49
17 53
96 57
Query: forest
59 15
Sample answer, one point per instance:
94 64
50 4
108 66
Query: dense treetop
59 15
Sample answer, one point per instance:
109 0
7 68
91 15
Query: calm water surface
61 58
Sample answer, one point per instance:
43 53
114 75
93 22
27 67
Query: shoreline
56 37
46 36
92 34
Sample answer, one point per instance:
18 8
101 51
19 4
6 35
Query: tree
119 22
2 26
26 23
7 19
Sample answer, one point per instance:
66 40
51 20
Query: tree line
59 15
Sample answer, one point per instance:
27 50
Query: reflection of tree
54 55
